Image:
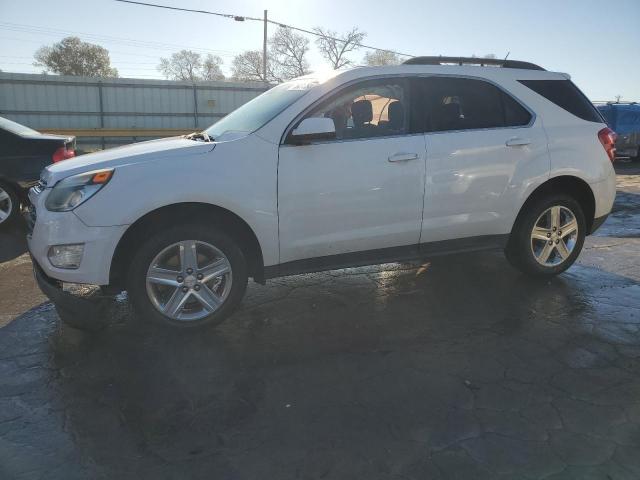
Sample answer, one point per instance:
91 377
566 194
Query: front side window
451 104
375 108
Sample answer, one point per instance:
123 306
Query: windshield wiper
199 136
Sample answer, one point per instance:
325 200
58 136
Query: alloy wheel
6 205
189 280
554 236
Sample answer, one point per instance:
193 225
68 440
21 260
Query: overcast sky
597 42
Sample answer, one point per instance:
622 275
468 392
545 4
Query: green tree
72 56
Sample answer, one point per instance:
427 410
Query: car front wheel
548 236
187 276
9 204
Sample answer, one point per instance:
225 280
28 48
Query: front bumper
66 302
62 228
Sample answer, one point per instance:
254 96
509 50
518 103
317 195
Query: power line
110 39
30 58
135 54
117 64
242 18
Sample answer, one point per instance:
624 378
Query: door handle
403 157
517 142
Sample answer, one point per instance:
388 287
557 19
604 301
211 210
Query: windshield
13 127
254 114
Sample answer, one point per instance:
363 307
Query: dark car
624 119
23 155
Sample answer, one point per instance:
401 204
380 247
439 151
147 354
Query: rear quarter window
567 96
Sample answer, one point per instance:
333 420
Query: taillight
607 138
62 153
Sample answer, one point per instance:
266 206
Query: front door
362 191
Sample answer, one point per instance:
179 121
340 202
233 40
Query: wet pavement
458 368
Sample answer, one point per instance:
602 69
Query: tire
527 254
179 293
9 204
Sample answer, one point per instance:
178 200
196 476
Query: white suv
359 167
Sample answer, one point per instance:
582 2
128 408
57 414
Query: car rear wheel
9 204
548 236
187 276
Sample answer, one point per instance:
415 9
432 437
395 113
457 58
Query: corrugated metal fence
104 112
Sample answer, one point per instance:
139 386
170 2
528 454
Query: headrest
361 111
451 109
396 114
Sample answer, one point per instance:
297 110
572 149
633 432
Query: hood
128 154
49 136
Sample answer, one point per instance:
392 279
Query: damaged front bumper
84 312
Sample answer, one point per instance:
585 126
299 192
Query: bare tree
182 65
288 52
334 48
381 57
247 67
72 56
211 68
188 65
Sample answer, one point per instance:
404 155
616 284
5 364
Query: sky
596 42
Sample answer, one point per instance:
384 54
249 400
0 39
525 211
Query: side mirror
314 128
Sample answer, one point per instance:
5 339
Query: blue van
624 119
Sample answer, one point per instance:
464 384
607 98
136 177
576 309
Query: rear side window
567 96
447 103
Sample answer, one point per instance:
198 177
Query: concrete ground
458 368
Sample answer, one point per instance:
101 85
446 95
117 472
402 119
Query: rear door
482 144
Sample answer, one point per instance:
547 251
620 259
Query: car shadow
13 241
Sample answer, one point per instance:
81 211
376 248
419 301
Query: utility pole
264 50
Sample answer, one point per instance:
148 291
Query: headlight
77 189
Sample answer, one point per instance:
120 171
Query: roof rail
473 61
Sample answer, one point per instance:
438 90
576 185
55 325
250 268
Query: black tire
156 243
12 200
519 249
